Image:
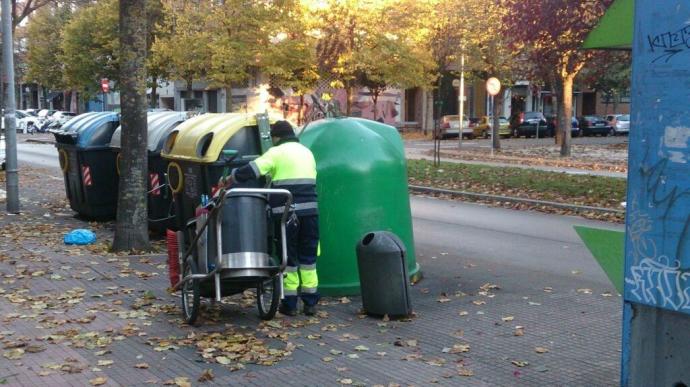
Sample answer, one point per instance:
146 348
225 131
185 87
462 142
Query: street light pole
461 99
11 172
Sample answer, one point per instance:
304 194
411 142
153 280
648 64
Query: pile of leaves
231 348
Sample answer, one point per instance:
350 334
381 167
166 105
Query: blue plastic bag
80 236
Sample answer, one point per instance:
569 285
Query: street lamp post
11 173
461 99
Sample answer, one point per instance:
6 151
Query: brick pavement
70 308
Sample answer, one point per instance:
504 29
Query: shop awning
615 29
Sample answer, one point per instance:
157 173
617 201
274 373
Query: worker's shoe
284 309
309 310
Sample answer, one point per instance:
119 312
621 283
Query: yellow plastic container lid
202 138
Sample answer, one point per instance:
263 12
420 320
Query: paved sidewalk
80 315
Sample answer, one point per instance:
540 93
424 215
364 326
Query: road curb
474 195
39 141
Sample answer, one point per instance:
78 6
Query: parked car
574 125
532 123
450 125
43 120
59 118
24 121
620 123
483 127
591 125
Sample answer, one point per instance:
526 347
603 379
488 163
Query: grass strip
587 190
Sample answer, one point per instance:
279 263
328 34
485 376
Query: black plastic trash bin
194 154
160 197
385 287
88 164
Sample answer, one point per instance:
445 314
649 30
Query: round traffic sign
493 86
456 83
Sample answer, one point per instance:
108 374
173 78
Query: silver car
620 123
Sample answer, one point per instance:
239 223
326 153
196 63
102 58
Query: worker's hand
226 182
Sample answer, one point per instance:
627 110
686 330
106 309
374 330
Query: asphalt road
541 243
40 155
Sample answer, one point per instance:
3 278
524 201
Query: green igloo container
362 187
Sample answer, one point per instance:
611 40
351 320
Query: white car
450 127
25 121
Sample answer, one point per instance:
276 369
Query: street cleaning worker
291 166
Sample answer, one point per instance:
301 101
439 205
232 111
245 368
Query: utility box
384 283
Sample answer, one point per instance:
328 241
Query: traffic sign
456 83
493 86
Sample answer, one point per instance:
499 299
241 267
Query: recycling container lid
88 130
202 138
159 124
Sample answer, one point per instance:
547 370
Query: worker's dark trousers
300 279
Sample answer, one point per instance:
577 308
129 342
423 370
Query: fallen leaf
182 382
103 363
584 291
519 331
206 376
520 363
353 356
327 359
479 302
35 348
345 381
223 360
464 313
14 354
507 318
98 381
465 372
141 365
361 348
335 352
541 350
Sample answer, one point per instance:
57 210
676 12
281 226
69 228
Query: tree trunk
375 99
74 104
154 90
228 99
566 107
496 112
348 105
299 111
131 227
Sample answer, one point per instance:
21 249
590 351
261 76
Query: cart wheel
190 293
268 297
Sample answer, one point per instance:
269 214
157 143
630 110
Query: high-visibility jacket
291 166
